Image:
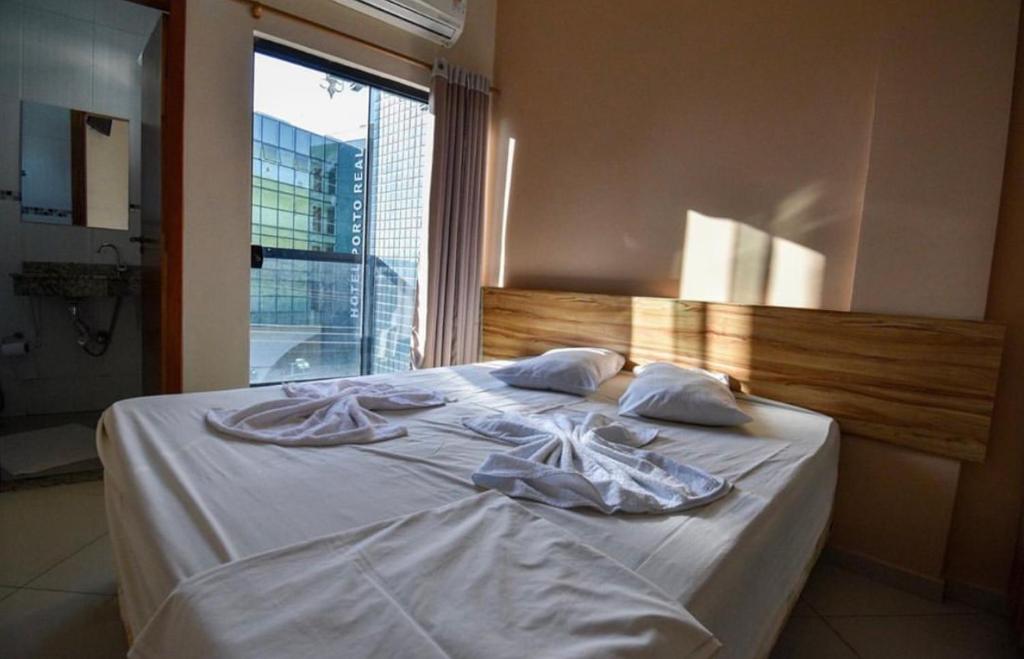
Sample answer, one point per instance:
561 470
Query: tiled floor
57 585
57 596
842 615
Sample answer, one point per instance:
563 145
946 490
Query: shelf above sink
75 280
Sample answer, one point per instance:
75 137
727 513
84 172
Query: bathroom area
80 85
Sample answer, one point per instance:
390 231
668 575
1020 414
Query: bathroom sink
75 280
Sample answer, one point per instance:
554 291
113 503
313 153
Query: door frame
172 138
172 204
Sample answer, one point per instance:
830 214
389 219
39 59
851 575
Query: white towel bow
324 414
567 462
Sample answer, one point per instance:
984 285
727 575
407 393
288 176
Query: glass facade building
400 171
338 224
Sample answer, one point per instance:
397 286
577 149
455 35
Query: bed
182 499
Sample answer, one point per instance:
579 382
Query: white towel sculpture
324 414
572 461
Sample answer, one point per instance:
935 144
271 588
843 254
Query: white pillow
577 371
688 395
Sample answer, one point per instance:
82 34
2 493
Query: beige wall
942 103
816 145
840 154
218 116
634 121
894 505
988 503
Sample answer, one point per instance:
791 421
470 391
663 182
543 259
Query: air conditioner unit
437 20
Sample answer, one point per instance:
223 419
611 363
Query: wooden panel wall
924 383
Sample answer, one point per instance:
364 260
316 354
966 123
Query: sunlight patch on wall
723 260
795 275
729 261
749 271
795 214
510 158
708 258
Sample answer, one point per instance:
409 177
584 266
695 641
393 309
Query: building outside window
341 172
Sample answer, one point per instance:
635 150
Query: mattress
182 499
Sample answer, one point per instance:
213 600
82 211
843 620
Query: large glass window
340 175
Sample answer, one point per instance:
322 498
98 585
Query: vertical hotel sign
356 239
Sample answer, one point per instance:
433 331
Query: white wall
218 118
80 54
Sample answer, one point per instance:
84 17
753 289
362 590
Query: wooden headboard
924 383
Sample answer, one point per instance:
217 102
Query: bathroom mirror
74 167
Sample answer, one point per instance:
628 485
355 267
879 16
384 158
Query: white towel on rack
324 414
572 461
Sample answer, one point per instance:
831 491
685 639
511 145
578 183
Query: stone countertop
76 280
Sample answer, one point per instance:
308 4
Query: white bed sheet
492 565
182 499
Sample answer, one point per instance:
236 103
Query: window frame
264 46
275 49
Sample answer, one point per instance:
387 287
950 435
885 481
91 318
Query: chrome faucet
121 267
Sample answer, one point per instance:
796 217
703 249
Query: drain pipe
94 344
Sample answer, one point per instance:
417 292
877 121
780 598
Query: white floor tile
91 570
928 637
44 624
810 638
44 526
833 591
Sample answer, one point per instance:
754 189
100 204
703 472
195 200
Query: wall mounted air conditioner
438 20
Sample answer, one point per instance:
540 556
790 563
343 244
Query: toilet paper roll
14 348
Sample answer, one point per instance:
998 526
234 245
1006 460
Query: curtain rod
258 8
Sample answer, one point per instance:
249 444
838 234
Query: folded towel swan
570 461
324 414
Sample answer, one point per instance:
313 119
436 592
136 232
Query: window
340 174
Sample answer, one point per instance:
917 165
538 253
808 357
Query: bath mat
36 451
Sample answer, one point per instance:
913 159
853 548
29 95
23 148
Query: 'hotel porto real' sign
358 206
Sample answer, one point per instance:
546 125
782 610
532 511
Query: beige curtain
447 327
